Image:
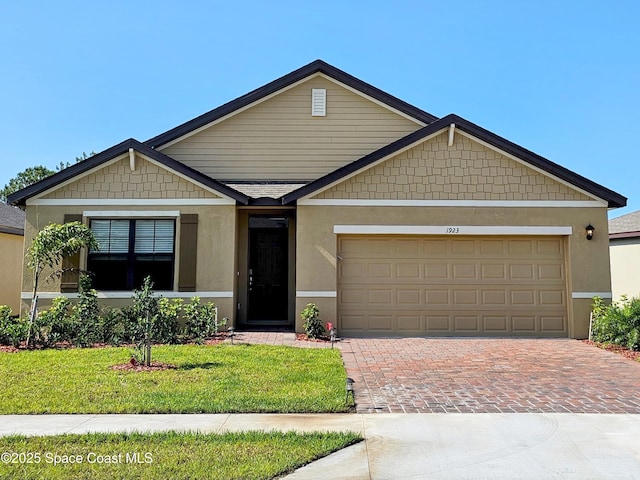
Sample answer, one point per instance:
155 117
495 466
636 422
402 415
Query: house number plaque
453 229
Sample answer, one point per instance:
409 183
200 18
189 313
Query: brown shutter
188 252
70 278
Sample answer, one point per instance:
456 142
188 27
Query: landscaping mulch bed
138 367
618 349
66 345
303 337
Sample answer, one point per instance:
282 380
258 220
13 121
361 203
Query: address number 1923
453 229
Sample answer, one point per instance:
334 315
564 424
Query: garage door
434 285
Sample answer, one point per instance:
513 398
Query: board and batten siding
279 139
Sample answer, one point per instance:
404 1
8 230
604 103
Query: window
129 251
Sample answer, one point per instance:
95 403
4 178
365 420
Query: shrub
53 325
202 320
86 315
12 330
312 323
165 327
617 323
113 327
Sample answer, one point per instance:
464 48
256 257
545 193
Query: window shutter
188 252
69 281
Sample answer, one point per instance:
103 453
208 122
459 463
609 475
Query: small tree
145 308
49 247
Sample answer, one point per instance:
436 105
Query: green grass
209 379
247 455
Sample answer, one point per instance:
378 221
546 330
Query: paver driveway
484 375
489 376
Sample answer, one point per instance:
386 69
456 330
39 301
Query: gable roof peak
20 197
613 199
317 66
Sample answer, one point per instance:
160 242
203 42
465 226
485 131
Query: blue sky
560 78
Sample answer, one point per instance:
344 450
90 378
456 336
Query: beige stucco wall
467 170
11 253
216 242
116 180
587 261
216 223
625 265
278 139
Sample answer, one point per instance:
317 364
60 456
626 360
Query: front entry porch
266 268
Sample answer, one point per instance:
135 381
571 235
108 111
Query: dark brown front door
268 276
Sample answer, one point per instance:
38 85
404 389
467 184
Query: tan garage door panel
452 285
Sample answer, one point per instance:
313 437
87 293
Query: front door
268 275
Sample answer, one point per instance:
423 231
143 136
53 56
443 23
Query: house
319 187
11 254
624 250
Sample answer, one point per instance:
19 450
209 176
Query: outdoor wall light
590 229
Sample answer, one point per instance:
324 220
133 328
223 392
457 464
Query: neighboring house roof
625 226
283 193
613 199
317 66
11 220
20 197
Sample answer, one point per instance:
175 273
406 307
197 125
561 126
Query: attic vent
318 102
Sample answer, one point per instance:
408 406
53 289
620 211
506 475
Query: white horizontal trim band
319 293
130 213
449 230
129 201
451 203
127 294
590 295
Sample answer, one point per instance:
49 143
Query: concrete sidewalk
434 446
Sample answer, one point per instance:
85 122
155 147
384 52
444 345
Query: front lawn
208 379
255 455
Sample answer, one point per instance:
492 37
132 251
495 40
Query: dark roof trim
12 231
265 202
613 199
20 197
614 236
312 68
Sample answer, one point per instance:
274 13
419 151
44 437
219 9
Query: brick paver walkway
482 375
